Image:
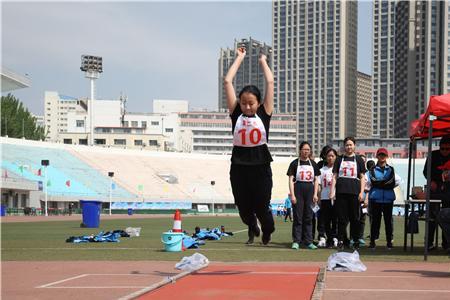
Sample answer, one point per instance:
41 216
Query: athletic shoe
431 247
372 245
356 245
351 243
340 245
265 238
322 243
295 246
335 242
362 242
312 246
389 245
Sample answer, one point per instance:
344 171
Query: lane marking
96 287
388 290
377 276
60 281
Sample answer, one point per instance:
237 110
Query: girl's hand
360 197
315 199
241 52
293 200
332 194
366 203
262 58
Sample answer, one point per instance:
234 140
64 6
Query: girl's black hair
252 89
303 144
331 150
349 138
370 164
324 152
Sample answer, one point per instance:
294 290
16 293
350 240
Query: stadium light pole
92 66
111 175
45 163
212 198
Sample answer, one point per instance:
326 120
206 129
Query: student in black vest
250 172
348 184
304 186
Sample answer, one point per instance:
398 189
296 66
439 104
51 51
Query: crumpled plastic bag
133 231
192 263
345 262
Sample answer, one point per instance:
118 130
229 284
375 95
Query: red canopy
438 106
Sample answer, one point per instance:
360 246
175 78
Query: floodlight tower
92 66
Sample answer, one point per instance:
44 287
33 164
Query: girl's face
305 152
331 158
249 104
381 158
349 147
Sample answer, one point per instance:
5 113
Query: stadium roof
13 81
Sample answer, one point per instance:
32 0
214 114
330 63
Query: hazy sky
151 50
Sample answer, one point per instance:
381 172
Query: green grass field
45 241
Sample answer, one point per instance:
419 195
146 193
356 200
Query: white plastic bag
345 262
133 231
192 263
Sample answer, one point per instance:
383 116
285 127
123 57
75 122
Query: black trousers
327 221
252 191
303 214
288 214
347 207
379 209
362 222
434 211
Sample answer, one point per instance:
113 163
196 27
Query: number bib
326 180
348 169
249 132
305 173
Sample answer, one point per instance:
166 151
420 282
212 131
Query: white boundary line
248 248
97 287
60 281
388 290
374 276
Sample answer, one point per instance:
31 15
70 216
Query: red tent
438 106
428 128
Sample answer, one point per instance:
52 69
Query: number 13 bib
305 173
249 132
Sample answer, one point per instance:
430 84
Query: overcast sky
151 50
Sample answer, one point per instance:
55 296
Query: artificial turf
45 241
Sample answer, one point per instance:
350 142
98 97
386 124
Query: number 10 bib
249 132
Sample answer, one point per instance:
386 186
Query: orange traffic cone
177 222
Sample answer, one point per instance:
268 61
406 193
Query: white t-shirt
326 177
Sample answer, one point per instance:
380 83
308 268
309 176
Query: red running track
244 281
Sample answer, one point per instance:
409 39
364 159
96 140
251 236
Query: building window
169 129
144 124
100 141
125 124
155 123
138 142
120 142
67 141
80 123
153 143
134 124
82 141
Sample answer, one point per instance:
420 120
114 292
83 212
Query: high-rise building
422 60
363 105
250 71
383 68
315 58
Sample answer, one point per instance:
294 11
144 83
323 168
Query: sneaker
322 243
312 246
295 246
431 247
372 245
389 245
340 245
362 242
356 245
351 243
335 242
265 238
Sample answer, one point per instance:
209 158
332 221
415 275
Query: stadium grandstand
78 172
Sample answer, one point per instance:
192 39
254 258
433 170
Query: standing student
438 158
381 183
288 206
327 216
362 214
250 172
348 187
370 164
303 185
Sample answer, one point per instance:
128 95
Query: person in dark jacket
437 187
381 183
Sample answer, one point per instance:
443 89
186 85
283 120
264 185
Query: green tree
17 121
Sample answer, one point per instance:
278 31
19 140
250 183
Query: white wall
170 106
